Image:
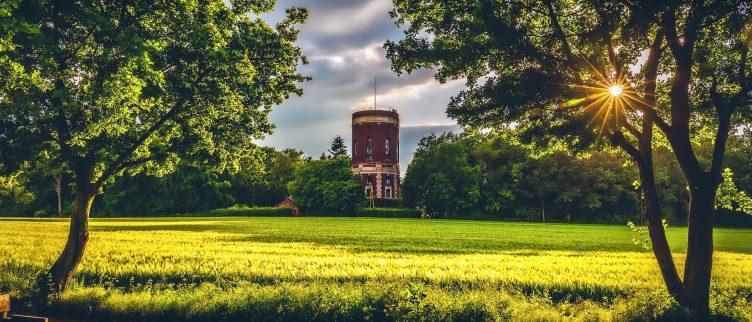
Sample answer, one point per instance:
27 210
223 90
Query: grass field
365 268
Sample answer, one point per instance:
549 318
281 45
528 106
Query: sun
615 90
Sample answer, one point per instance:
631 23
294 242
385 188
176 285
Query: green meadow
239 268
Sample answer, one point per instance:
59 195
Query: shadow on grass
375 240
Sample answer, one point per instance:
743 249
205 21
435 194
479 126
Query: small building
288 203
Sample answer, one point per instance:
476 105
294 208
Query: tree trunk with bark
60 275
699 261
58 186
656 231
543 211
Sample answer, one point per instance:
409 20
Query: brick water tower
375 152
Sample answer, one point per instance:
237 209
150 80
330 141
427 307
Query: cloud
343 40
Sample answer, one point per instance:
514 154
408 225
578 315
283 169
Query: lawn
234 269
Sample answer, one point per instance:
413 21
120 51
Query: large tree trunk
60 274
699 260
657 232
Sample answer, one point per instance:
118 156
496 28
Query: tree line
495 175
261 180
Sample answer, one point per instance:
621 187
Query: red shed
288 203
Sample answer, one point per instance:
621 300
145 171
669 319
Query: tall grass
235 269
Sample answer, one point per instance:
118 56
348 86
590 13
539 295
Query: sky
343 39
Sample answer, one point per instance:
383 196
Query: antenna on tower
374 92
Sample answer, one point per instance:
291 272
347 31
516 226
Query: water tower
375 152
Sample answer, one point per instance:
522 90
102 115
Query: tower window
386 148
369 148
355 148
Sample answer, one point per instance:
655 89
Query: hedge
388 203
388 212
250 212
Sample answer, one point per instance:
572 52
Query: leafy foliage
730 197
440 179
111 86
326 185
246 211
522 181
15 197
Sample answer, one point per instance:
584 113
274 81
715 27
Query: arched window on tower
355 148
386 149
369 148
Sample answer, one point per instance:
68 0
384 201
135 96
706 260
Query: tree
338 148
559 67
14 197
268 185
326 185
188 189
124 86
440 179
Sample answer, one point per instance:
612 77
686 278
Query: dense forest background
494 175
257 181
474 175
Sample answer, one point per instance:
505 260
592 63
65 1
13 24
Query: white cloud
345 21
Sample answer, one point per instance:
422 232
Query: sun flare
615 90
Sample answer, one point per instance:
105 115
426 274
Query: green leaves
326 184
730 197
138 85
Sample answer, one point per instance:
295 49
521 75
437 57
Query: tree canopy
113 86
326 185
588 70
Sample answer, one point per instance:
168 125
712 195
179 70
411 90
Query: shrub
249 212
388 212
388 203
366 212
326 185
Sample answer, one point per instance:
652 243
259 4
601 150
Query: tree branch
618 139
614 61
719 144
632 130
559 32
668 27
116 165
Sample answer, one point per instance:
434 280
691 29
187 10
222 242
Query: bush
326 185
388 213
728 218
366 212
387 203
249 212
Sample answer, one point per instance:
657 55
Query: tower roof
391 113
